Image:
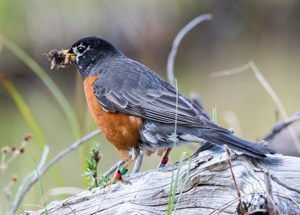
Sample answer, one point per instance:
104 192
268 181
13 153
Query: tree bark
210 188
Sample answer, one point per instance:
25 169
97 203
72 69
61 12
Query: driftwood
210 188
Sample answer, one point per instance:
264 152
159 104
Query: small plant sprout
92 168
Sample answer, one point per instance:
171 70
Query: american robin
136 109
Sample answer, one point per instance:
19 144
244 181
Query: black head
92 51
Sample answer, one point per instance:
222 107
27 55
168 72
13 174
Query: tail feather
238 144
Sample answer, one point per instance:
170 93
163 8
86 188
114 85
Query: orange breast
120 129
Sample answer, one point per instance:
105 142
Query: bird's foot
118 178
164 162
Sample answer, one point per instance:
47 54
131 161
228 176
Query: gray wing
129 87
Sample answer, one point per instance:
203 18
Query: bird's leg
133 155
165 158
138 163
118 176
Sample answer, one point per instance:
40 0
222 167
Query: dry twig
241 207
176 42
251 65
279 126
42 169
271 207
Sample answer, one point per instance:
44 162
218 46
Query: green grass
24 109
182 157
214 113
33 65
174 181
42 191
51 86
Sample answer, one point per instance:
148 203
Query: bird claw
125 182
163 162
161 166
118 178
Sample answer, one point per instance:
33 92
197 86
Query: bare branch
21 191
43 169
268 88
251 65
176 42
241 207
270 197
278 127
230 71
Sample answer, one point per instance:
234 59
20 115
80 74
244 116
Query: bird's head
89 52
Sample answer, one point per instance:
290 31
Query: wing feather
130 87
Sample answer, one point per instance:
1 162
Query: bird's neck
92 66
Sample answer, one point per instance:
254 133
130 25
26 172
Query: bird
137 110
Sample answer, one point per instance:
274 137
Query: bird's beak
69 54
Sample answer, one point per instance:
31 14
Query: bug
60 58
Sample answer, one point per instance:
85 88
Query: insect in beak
61 58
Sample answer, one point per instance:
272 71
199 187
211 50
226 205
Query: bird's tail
240 145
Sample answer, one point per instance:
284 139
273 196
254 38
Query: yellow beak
70 56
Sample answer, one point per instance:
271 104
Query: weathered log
209 190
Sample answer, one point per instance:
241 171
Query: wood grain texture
209 188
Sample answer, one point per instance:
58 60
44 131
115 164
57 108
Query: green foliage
183 155
214 113
92 168
24 109
35 67
174 182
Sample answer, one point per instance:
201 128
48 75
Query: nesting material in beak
60 58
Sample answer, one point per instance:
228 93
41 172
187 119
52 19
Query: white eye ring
80 49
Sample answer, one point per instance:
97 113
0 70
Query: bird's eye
80 49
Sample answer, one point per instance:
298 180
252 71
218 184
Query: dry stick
276 99
270 197
21 193
219 210
176 42
268 88
288 197
241 207
279 126
251 65
230 71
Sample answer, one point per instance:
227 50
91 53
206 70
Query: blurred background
266 32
